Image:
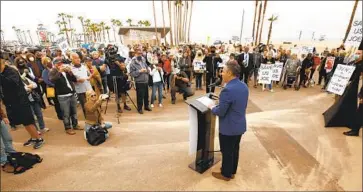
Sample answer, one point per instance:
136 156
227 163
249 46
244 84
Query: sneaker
160 105
173 102
152 105
44 130
38 143
127 108
30 142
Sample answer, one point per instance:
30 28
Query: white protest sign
355 33
307 49
276 71
265 74
63 44
199 66
340 79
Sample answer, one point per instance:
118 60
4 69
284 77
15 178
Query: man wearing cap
211 61
62 77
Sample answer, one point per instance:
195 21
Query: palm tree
258 23
93 28
185 21
175 23
171 31
14 28
31 40
129 21
87 23
254 22
190 19
140 23
102 25
156 29
147 23
114 25
64 23
107 28
263 18
59 25
81 19
69 17
162 11
271 19
350 21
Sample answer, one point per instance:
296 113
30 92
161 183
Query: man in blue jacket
231 111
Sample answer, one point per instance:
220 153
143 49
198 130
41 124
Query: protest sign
329 63
340 79
199 66
265 74
276 71
307 49
63 44
355 33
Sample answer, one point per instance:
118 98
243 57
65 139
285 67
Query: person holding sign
268 60
305 69
352 89
199 68
231 111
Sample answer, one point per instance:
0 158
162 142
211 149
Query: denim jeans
268 85
198 80
107 125
104 84
6 143
36 108
159 86
68 105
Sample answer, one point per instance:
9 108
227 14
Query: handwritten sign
199 66
307 49
265 74
276 71
63 44
355 33
340 79
329 63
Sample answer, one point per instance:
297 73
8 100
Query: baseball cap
57 61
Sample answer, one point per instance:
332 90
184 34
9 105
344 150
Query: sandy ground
286 147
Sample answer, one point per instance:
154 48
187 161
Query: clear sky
217 19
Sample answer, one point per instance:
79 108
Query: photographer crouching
118 72
180 83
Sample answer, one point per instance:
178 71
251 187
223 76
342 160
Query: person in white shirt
82 85
157 75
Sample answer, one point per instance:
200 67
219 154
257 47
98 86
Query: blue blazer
231 109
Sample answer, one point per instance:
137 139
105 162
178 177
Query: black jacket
212 63
13 88
240 59
60 83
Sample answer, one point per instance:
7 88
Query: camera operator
118 72
101 67
140 71
211 61
180 83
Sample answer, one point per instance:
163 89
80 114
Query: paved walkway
286 147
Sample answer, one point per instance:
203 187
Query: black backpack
22 159
96 135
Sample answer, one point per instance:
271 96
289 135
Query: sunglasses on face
94 95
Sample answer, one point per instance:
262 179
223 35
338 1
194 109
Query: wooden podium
201 133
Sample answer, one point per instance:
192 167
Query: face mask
21 64
139 58
31 59
199 55
356 57
213 51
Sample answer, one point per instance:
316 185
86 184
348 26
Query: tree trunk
70 28
258 23
176 24
263 18
156 30
190 19
108 35
65 30
121 39
180 22
185 21
269 33
114 33
171 31
350 21
104 35
162 10
84 31
254 22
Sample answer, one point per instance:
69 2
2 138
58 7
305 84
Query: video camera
111 53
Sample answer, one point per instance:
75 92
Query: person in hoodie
37 69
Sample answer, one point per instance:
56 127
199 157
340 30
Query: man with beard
211 61
16 100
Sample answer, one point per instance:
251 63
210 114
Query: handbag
96 135
50 92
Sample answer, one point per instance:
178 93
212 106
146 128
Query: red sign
43 35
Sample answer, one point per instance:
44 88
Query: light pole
243 18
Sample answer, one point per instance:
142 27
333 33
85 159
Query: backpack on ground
96 135
24 160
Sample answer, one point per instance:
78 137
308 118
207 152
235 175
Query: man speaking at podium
231 111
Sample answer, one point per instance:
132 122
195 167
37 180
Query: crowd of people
83 76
